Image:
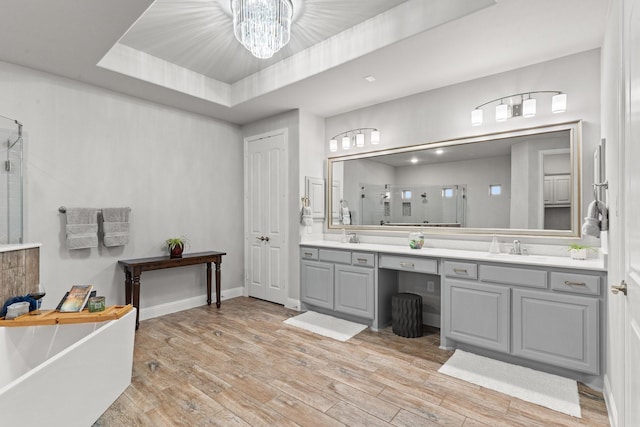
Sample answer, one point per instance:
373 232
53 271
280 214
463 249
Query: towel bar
63 209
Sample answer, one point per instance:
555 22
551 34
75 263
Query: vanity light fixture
508 107
263 27
354 137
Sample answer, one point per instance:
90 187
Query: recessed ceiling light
370 79
439 151
414 160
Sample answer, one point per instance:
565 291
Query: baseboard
609 400
186 304
293 304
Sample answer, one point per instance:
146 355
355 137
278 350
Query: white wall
180 173
445 113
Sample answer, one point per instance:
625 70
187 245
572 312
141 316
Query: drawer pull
460 270
308 254
362 260
407 265
570 283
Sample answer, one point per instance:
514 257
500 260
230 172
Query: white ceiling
182 52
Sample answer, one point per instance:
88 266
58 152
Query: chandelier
262 26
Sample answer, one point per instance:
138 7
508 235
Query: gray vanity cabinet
354 290
341 281
561 330
477 313
317 280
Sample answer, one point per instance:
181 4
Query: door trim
285 212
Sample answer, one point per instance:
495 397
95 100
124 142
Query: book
66 294
77 298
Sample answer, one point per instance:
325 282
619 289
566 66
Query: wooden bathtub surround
244 367
19 273
52 317
133 268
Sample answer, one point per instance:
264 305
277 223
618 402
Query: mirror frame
575 147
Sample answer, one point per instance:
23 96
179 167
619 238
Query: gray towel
306 218
115 226
597 219
82 228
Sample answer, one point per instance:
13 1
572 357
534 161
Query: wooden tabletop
158 262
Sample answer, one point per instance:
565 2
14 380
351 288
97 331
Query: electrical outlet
431 286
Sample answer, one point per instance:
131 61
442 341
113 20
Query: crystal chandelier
262 26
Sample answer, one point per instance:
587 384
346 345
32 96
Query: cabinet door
562 189
354 290
317 283
561 330
548 190
477 313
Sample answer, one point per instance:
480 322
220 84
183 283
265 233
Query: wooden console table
133 268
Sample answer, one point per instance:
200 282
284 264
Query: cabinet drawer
420 265
341 257
513 276
462 270
363 259
309 253
576 283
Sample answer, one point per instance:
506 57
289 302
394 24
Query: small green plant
176 241
577 246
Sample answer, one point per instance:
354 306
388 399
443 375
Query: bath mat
327 326
551 391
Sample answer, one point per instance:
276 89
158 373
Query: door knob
622 287
266 239
263 238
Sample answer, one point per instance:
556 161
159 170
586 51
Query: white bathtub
64 375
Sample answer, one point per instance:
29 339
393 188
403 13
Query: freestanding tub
64 375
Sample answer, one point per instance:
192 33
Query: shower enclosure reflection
412 205
11 185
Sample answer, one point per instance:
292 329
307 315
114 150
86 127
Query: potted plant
578 251
176 245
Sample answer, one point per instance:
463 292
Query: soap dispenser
495 246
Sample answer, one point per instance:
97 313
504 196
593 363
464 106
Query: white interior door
631 197
266 178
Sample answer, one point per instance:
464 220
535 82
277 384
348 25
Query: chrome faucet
517 249
353 238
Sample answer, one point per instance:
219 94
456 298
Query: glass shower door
11 182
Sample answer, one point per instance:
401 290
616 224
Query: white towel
306 218
346 216
115 226
597 219
82 228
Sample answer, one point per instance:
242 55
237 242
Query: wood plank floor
241 366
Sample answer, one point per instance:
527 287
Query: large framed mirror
523 182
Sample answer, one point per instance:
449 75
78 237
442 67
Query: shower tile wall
19 273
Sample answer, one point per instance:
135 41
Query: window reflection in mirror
519 182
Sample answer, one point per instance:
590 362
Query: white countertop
19 247
541 260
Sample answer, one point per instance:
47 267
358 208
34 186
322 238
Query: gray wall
180 173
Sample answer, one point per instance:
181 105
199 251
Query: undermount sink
515 257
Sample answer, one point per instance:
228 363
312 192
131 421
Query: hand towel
346 216
597 219
306 218
115 226
82 228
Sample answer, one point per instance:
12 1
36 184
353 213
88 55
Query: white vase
578 253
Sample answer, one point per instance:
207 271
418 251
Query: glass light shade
360 140
559 103
346 142
529 107
476 117
263 27
375 137
502 112
333 145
